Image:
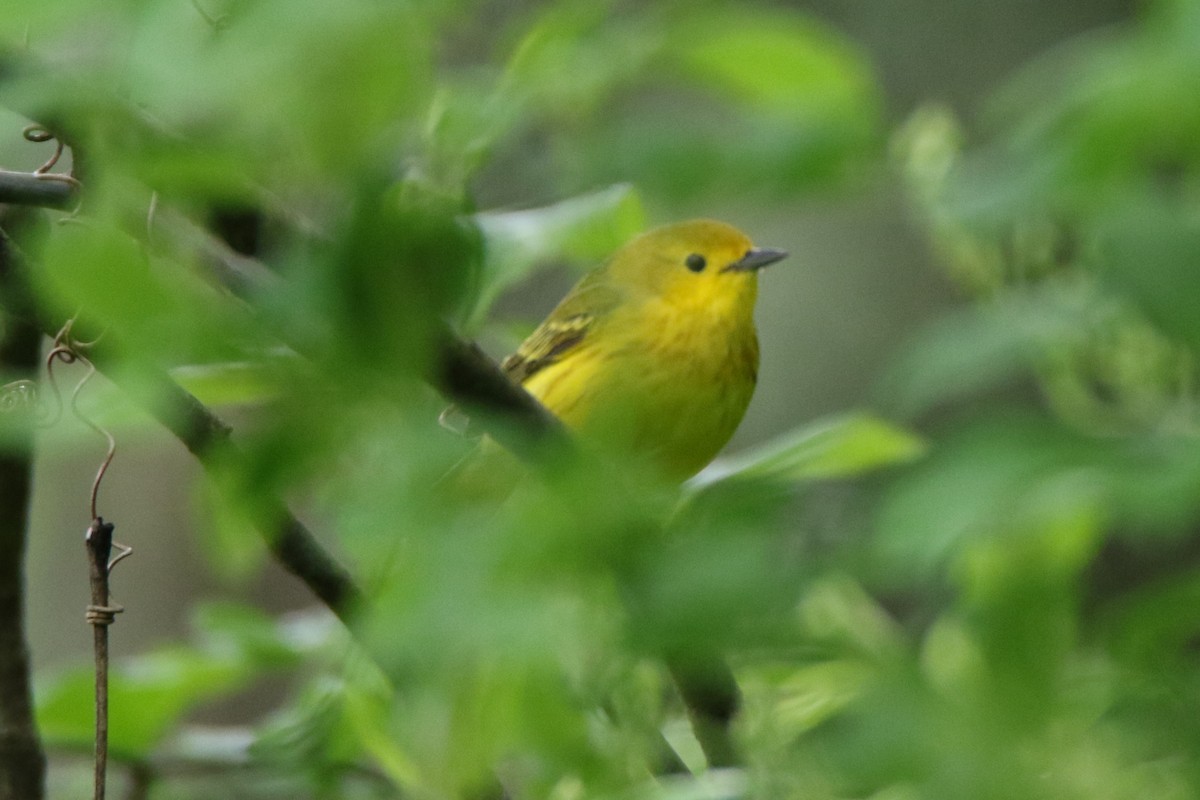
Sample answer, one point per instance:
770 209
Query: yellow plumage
653 355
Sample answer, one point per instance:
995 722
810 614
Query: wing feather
567 328
552 340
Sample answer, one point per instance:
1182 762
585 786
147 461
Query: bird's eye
695 262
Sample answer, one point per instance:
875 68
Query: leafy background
971 575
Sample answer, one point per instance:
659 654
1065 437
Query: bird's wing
564 331
553 339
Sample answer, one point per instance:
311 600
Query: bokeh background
860 282
964 563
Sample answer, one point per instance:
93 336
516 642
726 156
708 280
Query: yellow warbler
654 354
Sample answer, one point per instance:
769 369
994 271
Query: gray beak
755 259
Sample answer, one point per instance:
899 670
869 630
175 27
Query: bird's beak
755 259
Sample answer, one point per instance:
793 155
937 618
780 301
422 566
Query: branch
460 370
465 375
100 614
207 437
28 189
22 761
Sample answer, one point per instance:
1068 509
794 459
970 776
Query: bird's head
701 263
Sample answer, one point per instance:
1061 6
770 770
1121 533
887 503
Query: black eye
695 262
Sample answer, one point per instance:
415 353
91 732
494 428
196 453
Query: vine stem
100 614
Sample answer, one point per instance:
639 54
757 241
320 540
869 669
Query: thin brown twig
101 612
100 615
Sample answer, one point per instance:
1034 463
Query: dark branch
465 375
27 189
207 437
711 695
22 761
461 372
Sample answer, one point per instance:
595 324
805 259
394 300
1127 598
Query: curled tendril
126 551
36 133
68 350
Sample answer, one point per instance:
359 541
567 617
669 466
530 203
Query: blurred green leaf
249 636
311 733
153 307
228 384
843 446
1013 474
401 258
253 83
563 65
706 98
984 482
583 229
990 347
778 60
234 549
1149 252
148 696
1105 108
724 784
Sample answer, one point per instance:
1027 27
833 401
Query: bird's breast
668 385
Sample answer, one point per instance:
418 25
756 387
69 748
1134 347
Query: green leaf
778 61
249 636
839 447
981 348
233 549
147 696
585 229
563 67
151 693
229 383
1150 251
722 784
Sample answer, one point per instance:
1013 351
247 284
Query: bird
653 355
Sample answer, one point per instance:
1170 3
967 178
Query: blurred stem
1121 569
22 760
141 779
711 695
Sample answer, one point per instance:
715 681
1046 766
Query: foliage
962 630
